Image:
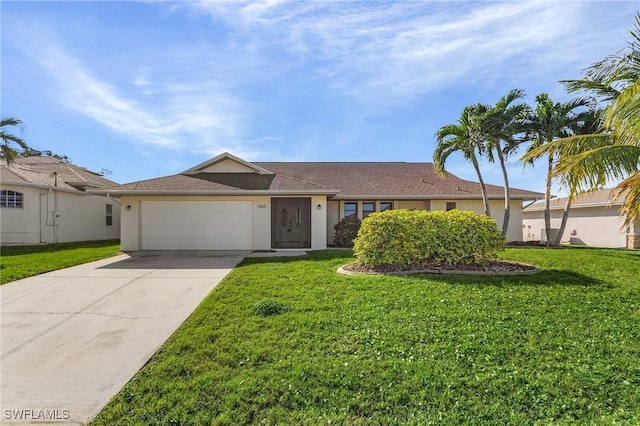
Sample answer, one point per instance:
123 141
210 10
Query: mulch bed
494 266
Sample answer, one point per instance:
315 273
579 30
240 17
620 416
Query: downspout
40 214
55 208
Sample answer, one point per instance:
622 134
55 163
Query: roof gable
226 163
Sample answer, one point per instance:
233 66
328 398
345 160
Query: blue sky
151 88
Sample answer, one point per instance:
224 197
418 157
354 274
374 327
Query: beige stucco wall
131 219
496 208
333 217
514 233
413 204
594 226
318 222
79 217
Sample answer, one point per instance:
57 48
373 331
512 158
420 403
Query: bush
266 307
414 238
346 231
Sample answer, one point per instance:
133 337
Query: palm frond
10 121
593 168
629 189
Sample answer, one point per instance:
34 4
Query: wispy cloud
194 114
383 52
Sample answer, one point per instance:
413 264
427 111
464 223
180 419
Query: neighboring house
227 203
594 220
45 200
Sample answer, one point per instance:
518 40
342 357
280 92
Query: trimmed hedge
415 238
346 231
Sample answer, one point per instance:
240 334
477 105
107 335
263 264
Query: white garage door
197 225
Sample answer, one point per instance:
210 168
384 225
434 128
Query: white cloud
193 115
393 51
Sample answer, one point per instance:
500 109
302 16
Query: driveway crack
84 310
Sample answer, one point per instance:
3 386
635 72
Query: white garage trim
197 225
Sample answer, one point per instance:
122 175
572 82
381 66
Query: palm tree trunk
565 216
507 192
483 188
547 202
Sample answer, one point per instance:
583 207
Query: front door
291 222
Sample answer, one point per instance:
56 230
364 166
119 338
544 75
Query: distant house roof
50 172
601 198
226 174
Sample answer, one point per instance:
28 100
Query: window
368 208
351 210
386 205
109 214
450 205
10 199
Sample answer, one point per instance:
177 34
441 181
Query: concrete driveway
72 338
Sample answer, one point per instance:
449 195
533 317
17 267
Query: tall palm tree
468 136
613 154
551 121
7 152
506 122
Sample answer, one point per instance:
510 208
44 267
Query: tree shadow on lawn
546 278
550 277
619 253
312 256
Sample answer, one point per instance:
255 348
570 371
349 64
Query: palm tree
613 154
507 121
468 136
7 152
551 121
591 124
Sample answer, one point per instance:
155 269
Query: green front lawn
18 262
560 347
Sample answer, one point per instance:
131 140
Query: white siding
50 216
593 226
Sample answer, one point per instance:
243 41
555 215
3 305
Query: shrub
414 238
267 307
346 231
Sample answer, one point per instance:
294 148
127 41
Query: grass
560 347
17 262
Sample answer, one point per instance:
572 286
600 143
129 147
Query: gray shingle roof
349 180
220 182
388 180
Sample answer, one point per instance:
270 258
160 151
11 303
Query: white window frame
10 199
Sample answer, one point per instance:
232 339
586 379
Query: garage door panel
197 225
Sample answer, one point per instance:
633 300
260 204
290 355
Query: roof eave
164 192
340 196
574 206
45 187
